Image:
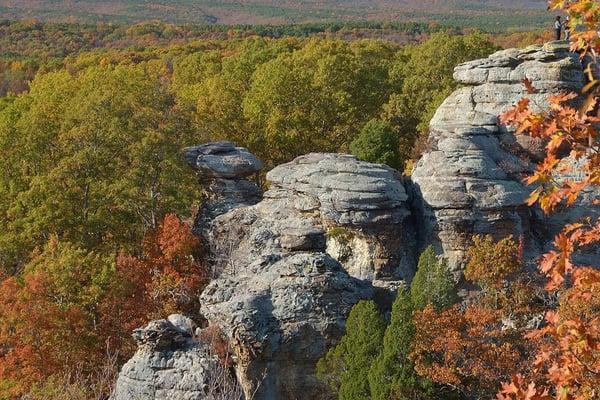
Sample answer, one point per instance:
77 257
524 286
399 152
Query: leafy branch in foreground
567 363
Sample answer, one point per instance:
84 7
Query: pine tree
433 283
345 366
392 375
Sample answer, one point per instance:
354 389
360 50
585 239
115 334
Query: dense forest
491 15
96 201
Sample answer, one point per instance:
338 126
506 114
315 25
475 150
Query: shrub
377 143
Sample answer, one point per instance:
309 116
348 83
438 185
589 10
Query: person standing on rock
567 25
558 28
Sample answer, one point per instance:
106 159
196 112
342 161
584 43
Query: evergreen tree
433 283
392 375
345 366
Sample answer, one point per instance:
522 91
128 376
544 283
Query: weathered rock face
470 181
223 170
354 211
281 313
289 266
169 364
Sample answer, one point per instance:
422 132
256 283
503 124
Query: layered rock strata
223 170
294 264
470 181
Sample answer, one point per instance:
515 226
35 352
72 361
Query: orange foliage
60 317
474 346
467 350
567 365
33 331
167 279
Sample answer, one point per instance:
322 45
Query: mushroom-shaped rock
223 170
222 160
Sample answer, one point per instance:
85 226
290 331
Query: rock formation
355 211
469 182
170 364
332 230
223 170
290 265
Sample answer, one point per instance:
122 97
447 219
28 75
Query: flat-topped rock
222 160
355 211
344 189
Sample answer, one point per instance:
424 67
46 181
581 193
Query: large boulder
171 363
470 180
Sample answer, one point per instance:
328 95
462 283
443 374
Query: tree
466 350
54 303
392 375
433 283
69 295
167 279
377 143
492 263
567 365
345 367
423 74
471 347
115 168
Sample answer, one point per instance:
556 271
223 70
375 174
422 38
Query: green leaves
93 158
345 366
433 283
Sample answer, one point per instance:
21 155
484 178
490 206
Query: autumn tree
471 347
168 278
54 303
567 365
69 295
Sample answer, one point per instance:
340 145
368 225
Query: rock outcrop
332 230
223 170
355 211
294 264
281 313
469 182
169 364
